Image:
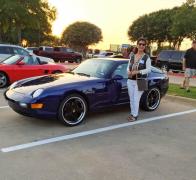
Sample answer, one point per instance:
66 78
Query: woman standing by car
138 67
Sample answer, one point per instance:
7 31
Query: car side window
29 60
176 55
5 50
165 55
109 54
48 49
69 50
20 51
121 70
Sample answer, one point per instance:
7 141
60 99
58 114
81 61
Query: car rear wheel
72 110
3 80
78 60
151 99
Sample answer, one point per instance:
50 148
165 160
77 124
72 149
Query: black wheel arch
56 71
68 93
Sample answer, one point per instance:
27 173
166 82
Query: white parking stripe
3 107
90 132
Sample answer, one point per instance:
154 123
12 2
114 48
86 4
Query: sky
113 16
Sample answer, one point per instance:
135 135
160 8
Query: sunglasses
141 44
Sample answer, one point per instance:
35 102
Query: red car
59 53
19 67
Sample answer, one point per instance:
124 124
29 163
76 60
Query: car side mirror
20 63
117 77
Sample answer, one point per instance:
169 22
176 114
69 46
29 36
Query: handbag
142 84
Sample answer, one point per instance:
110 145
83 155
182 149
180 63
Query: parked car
170 59
103 54
7 50
70 95
116 56
19 67
31 49
91 52
59 53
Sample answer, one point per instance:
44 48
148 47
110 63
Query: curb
178 75
181 98
192 85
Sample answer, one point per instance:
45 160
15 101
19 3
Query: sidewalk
177 78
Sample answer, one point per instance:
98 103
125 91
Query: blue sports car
94 84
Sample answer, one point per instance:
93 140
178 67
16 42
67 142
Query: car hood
29 85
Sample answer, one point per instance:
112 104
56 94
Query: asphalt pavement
160 146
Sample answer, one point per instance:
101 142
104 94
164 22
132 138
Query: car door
30 68
121 85
176 60
70 53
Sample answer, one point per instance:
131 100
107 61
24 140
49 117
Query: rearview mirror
117 77
20 63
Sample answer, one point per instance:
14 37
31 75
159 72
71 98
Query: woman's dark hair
135 50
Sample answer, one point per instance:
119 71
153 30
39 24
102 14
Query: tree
19 18
80 35
168 25
140 28
155 27
184 22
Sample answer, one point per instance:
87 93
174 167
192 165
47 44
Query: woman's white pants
134 96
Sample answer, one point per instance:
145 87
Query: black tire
165 67
175 71
72 110
57 72
62 60
150 99
78 60
4 81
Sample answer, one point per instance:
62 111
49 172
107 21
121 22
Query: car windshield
11 60
164 54
94 68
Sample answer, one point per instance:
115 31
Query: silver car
7 50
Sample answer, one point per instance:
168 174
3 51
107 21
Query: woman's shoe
132 118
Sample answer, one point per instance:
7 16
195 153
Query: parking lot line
90 132
3 107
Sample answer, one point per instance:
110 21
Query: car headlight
13 85
37 93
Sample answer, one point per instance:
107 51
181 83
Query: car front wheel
3 80
72 110
150 100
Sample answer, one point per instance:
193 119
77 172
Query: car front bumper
22 105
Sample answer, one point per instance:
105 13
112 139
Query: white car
103 54
7 50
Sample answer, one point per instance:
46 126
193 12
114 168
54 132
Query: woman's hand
134 72
129 74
